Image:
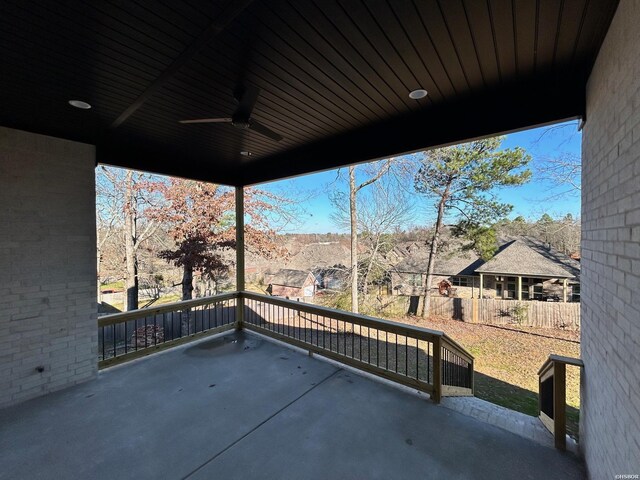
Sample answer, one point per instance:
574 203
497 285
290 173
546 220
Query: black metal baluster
353 340
406 360
126 338
417 358
386 348
396 370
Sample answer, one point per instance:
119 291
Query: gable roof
290 278
521 255
456 264
518 258
543 248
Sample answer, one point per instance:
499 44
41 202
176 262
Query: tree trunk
367 273
131 300
354 239
187 293
187 282
426 302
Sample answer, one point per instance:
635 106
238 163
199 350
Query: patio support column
240 285
564 290
519 288
480 286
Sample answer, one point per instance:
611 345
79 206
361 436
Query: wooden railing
127 335
418 357
425 359
552 397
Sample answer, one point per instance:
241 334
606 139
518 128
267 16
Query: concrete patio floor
240 406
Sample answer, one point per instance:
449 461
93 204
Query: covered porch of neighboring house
519 271
232 92
520 287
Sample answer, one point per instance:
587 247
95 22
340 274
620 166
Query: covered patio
241 406
239 92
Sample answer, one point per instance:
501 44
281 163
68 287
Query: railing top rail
553 358
167 307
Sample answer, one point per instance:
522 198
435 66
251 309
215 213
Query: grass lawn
115 286
507 360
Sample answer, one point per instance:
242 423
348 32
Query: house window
511 290
537 292
525 288
460 281
575 293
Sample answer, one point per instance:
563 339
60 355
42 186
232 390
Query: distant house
523 269
292 284
331 278
409 275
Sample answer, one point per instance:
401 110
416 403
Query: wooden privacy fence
508 312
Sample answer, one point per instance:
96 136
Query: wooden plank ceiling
334 76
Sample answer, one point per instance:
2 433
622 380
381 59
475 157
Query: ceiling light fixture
79 104
418 94
246 154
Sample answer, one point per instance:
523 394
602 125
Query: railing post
240 284
471 374
437 370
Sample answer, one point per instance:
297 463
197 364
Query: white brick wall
47 264
610 423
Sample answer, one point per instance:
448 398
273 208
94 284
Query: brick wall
610 421
47 265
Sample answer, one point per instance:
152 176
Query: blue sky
530 200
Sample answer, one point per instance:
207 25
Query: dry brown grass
507 360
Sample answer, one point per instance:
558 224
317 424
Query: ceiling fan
246 97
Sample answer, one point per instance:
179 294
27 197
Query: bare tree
382 210
563 173
108 217
374 172
121 200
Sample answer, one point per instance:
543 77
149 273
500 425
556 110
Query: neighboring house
457 269
520 271
292 284
523 269
332 278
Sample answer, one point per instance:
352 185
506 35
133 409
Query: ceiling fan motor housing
242 123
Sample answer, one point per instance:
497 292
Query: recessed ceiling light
79 104
418 94
246 154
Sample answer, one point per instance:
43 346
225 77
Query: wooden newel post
436 395
240 284
552 398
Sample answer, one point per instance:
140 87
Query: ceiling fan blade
262 130
207 120
246 96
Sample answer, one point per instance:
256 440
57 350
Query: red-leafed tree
200 217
